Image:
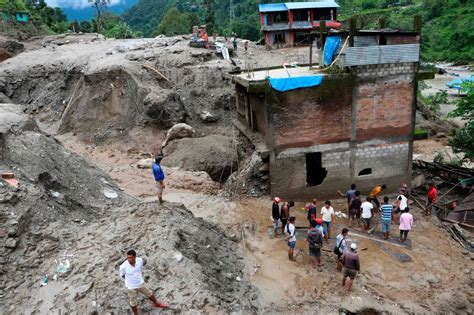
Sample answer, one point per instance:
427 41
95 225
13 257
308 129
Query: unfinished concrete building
355 126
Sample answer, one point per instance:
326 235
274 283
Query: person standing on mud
401 204
350 193
315 242
131 272
341 246
432 194
327 213
386 217
351 263
285 214
311 215
354 209
366 213
377 191
406 222
290 231
276 214
159 177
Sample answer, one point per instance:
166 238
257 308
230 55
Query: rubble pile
66 226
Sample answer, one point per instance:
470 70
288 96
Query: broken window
315 172
365 171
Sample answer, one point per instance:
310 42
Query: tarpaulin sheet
457 83
330 48
292 83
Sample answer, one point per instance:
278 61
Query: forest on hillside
447 24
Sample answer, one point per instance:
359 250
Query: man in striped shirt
386 216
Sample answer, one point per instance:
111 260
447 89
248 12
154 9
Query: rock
110 194
208 117
145 163
11 243
213 154
165 109
440 135
179 131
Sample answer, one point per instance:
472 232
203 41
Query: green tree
85 26
174 23
209 20
100 6
463 139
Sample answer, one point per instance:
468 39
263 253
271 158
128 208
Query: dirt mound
69 221
9 48
214 154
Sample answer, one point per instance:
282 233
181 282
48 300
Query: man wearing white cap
276 214
351 263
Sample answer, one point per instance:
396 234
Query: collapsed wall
69 221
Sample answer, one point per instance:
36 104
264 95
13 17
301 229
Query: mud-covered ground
433 275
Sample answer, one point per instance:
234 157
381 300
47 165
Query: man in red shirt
432 194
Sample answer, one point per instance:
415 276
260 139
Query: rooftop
259 77
277 7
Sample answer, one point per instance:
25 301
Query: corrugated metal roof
276 7
373 55
311 5
272 7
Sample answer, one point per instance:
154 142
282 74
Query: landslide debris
69 221
214 154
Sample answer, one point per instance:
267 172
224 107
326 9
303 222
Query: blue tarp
330 48
456 83
292 83
272 7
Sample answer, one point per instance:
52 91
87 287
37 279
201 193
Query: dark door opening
315 172
254 122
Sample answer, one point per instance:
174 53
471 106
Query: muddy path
433 275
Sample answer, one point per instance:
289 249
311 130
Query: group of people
389 212
321 223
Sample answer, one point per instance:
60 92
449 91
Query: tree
209 6
463 139
174 23
85 26
100 6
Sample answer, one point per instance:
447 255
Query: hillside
446 24
87 12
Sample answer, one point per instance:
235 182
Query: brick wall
383 101
310 116
389 162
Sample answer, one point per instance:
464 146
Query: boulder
214 154
179 131
208 117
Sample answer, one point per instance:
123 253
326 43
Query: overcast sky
78 4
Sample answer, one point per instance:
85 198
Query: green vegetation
434 102
463 139
419 134
175 23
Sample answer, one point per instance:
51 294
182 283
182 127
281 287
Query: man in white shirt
327 213
367 212
131 272
400 205
290 231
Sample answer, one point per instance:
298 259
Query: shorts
315 251
276 223
133 293
327 225
284 221
351 273
366 220
292 244
386 225
160 186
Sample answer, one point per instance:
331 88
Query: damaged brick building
356 126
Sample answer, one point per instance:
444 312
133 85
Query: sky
78 4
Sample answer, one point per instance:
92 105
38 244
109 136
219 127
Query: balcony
281 26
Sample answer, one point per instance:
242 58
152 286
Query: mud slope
67 209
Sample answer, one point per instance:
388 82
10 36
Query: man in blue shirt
159 177
386 217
